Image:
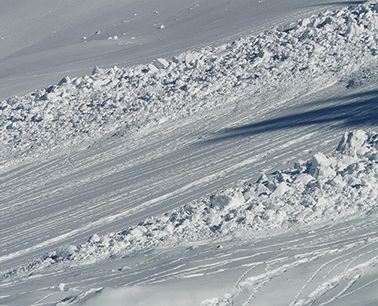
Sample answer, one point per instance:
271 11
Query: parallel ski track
320 256
109 187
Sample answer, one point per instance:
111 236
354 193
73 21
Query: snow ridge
314 53
335 187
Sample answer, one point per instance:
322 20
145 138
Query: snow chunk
222 201
152 68
161 63
280 190
262 189
65 80
321 166
352 143
304 179
62 287
94 238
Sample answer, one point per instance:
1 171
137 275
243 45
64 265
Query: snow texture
330 188
111 102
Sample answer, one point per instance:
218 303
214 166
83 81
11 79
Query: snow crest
110 102
324 189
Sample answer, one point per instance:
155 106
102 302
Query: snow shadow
338 3
361 112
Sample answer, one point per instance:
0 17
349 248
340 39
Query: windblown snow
183 212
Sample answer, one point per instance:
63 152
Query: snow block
161 63
219 202
261 190
152 68
280 190
65 80
321 166
352 143
97 70
263 179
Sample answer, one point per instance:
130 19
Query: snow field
114 101
325 189
302 235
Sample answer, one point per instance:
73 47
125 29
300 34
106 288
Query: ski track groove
359 288
116 183
308 282
67 198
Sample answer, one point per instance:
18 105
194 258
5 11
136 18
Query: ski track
116 195
281 259
108 185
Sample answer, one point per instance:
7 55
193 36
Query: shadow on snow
338 3
363 112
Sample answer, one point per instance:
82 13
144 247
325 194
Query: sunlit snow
202 152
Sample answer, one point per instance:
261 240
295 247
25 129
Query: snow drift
115 101
324 189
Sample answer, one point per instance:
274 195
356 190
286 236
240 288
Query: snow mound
325 189
316 52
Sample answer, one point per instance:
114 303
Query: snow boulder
321 166
280 190
223 201
354 143
161 63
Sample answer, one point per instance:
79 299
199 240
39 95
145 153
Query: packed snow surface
213 174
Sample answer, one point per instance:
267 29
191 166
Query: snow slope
302 55
323 213
337 187
145 176
43 40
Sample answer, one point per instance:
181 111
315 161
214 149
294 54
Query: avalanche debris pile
327 188
314 53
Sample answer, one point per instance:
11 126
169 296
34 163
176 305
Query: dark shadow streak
351 115
359 96
337 3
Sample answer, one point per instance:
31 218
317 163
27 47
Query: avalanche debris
339 186
313 53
